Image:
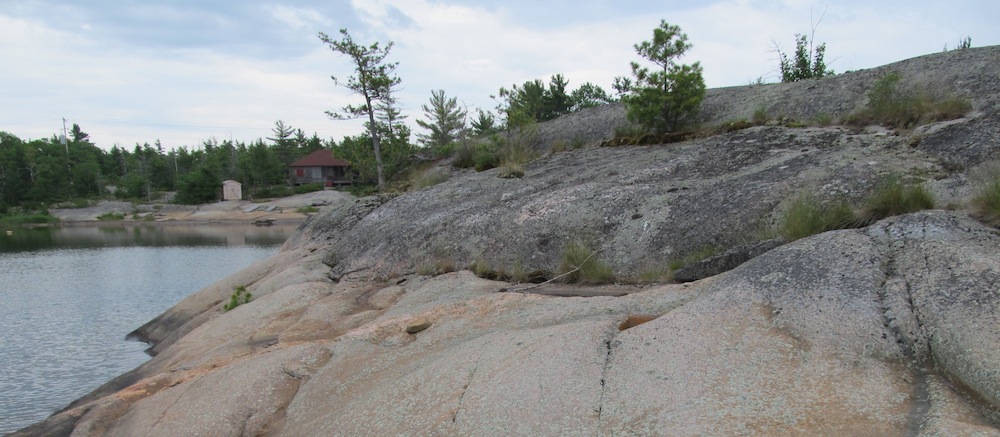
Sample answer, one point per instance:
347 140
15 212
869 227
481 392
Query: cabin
320 167
232 190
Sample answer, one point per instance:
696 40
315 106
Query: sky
186 71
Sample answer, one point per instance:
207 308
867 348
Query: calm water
69 296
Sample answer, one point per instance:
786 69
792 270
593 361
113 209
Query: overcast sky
182 71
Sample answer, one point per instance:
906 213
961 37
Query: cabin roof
320 158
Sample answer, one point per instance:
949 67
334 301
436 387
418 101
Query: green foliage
272 191
893 197
891 106
479 155
485 157
668 97
395 155
533 101
50 172
307 210
28 219
445 121
589 95
581 264
308 188
111 217
239 297
805 216
485 124
806 63
201 186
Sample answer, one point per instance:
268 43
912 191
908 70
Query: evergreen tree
285 144
484 124
589 95
664 98
374 81
445 120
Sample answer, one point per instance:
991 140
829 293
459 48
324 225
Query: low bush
28 219
307 209
481 156
580 264
239 297
308 188
273 191
486 159
111 217
890 106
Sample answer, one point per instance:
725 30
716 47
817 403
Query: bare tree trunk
373 128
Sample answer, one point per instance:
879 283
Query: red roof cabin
320 167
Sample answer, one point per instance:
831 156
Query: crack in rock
461 398
609 343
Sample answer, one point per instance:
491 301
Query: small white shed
232 190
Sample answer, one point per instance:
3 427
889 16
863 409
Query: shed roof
320 158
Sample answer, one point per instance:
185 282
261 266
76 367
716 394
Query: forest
41 173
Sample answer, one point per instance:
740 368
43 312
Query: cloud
184 96
133 71
297 18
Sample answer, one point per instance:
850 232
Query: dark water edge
70 295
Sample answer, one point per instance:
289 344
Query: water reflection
70 295
27 239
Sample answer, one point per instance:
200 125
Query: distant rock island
400 315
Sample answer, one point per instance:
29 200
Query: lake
70 295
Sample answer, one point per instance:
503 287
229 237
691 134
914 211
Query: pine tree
445 120
664 98
374 80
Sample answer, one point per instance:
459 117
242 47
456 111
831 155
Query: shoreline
169 222
278 211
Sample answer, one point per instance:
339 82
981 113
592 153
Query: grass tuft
892 197
987 203
805 217
581 264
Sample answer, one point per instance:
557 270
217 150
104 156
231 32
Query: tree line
35 173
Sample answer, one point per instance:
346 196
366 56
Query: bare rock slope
892 329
